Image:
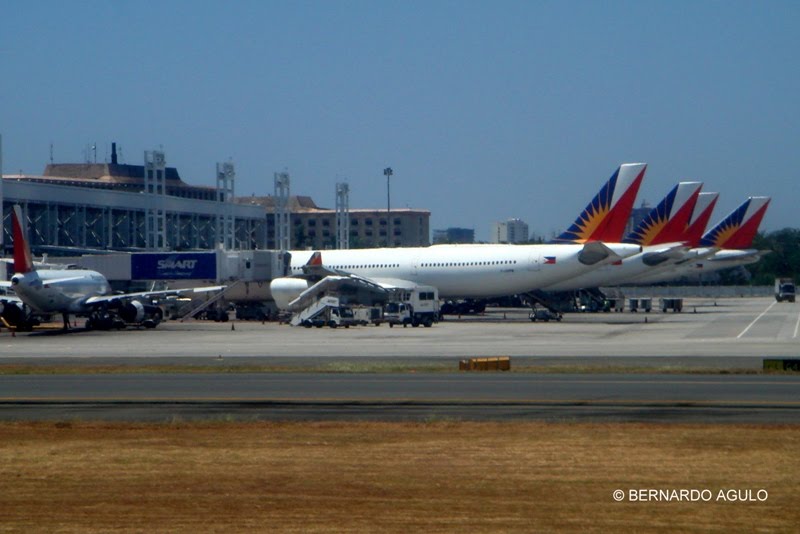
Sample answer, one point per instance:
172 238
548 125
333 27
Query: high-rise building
637 216
454 235
510 231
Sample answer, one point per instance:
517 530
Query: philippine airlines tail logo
737 230
700 217
668 220
315 259
22 251
605 217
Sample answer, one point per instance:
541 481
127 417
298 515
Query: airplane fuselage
463 271
650 260
610 274
705 260
61 291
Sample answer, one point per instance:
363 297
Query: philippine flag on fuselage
549 260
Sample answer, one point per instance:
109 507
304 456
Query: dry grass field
391 477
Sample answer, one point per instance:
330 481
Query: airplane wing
5 297
734 255
61 280
149 294
42 264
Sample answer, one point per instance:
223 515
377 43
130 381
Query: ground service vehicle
334 317
417 306
543 314
255 311
369 314
784 289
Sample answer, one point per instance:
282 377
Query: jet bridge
247 273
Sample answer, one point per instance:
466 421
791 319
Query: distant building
103 206
454 235
315 228
115 177
637 216
89 206
510 231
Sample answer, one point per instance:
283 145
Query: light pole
388 173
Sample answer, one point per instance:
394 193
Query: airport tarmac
740 329
726 337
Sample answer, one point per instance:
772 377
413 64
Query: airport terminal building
76 207
104 206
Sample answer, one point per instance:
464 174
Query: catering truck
415 306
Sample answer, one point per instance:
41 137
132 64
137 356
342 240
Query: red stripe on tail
22 252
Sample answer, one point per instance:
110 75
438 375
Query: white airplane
660 235
474 271
75 291
726 245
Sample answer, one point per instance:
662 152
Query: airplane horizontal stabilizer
658 255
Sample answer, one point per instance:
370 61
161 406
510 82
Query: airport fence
690 291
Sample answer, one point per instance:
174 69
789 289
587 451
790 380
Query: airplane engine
285 290
132 312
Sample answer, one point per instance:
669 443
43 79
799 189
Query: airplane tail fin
315 260
22 251
314 266
700 217
605 217
666 223
737 230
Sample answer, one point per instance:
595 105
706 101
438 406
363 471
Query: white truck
415 306
368 315
784 289
334 317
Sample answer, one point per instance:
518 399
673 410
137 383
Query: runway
503 396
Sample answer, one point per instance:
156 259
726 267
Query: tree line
783 259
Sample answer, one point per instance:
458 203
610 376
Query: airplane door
534 261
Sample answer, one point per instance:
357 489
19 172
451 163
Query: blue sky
485 110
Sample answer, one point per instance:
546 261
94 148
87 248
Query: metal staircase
206 303
553 301
312 310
